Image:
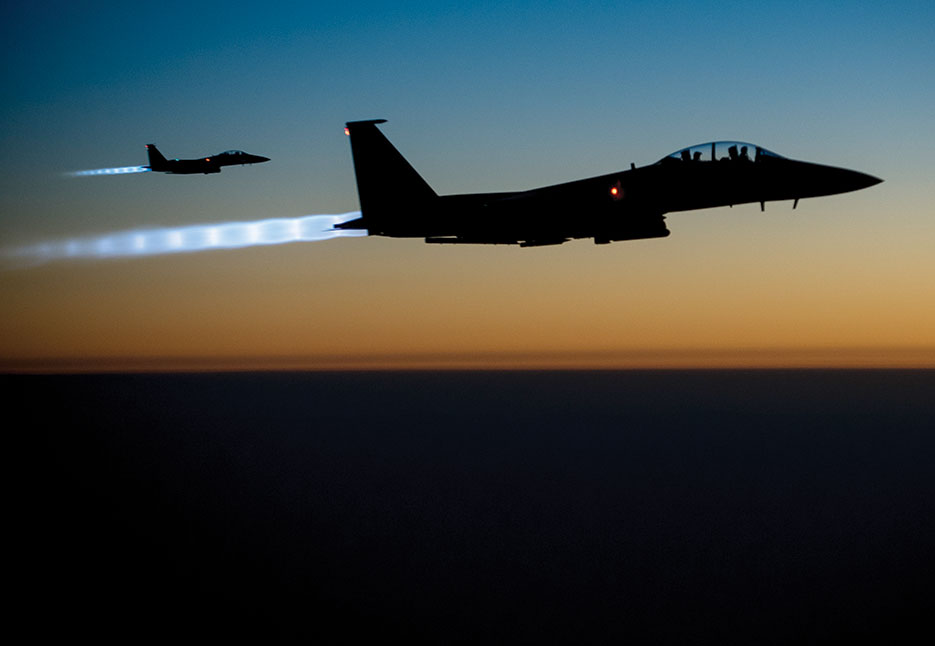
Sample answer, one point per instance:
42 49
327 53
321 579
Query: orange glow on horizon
681 359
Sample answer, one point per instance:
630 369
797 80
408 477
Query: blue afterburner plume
201 237
123 170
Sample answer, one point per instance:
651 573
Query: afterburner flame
201 237
123 170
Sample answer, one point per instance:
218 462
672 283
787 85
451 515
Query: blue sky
479 97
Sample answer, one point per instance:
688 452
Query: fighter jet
627 205
204 165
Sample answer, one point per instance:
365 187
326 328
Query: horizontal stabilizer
356 223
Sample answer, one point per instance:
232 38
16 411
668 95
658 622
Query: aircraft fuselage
203 165
627 205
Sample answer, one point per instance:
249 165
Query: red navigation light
347 130
614 190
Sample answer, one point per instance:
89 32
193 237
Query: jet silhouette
395 201
158 163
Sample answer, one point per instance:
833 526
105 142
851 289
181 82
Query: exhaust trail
123 170
188 239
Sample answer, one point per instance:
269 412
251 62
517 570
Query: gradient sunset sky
479 97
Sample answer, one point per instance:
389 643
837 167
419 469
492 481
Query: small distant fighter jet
158 163
628 205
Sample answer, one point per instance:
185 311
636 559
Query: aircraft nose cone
868 180
852 180
260 159
813 180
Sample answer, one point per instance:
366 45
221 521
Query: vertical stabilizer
387 184
156 160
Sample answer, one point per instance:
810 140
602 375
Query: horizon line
779 358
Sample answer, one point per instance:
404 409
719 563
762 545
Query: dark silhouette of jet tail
387 184
157 161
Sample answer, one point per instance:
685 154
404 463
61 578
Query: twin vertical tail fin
388 186
156 160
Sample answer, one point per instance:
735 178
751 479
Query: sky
479 97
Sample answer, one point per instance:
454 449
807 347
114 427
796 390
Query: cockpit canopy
721 150
235 153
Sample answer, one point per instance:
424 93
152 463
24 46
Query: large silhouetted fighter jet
204 165
628 205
